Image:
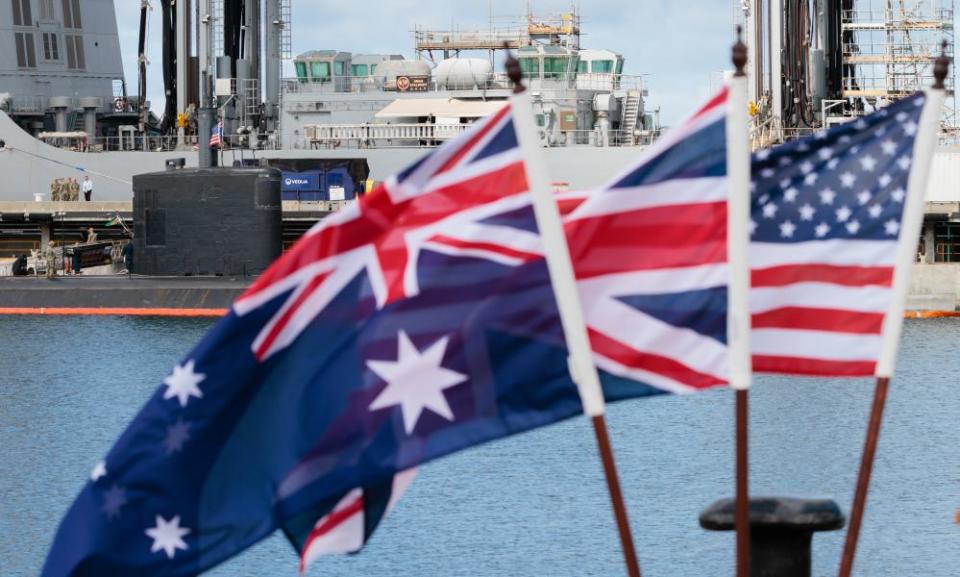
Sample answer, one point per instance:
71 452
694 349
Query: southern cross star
99 470
177 434
167 536
415 381
182 383
113 501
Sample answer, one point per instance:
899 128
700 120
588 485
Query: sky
680 47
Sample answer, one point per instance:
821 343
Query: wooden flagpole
893 322
581 365
738 292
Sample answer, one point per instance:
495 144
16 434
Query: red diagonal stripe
468 146
284 318
330 522
819 319
485 246
839 275
719 100
668 367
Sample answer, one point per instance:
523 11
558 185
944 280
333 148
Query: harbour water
533 504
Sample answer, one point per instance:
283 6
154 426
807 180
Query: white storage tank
387 72
462 73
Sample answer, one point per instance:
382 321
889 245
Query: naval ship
340 123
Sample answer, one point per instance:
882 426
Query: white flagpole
738 289
580 362
911 223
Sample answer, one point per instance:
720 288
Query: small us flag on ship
216 135
826 219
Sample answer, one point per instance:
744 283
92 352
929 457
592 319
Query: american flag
826 220
216 135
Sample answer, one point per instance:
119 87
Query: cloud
677 45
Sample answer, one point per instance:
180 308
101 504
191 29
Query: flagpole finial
941 67
739 53
513 71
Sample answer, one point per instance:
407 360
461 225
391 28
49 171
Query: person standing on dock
51 256
74 190
87 188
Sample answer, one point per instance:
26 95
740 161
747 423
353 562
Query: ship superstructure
60 67
373 113
581 97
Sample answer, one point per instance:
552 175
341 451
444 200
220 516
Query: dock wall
934 287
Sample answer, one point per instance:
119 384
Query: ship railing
27 104
423 135
141 143
597 138
492 81
38 104
380 135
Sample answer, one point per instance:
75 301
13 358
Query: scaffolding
889 48
511 32
286 34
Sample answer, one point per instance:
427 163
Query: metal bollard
781 531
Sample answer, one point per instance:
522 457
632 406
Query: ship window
71 14
301 71
26 53
602 66
554 67
619 65
21 13
373 68
338 68
947 242
359 70
46 10
319 71
51 50
582 66
530 67
75 59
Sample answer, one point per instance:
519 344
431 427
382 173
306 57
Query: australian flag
415 323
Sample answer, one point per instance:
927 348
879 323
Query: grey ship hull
24 175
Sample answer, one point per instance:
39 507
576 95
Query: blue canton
848 182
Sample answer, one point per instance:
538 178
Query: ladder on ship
631 112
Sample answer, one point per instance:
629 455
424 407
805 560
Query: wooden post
562 278
863 479
738 313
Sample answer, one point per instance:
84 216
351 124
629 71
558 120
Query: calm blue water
534 504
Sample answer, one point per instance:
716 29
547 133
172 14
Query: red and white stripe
817 307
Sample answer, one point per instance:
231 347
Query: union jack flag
650 253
